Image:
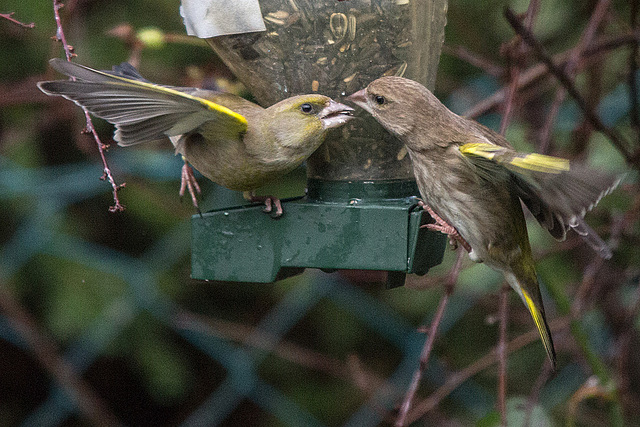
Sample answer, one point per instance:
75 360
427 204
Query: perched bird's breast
223 161
241 163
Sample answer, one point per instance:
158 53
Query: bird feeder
360 209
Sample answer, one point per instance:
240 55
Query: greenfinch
474 182
229 140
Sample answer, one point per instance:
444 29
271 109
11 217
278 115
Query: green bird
474 182
231 141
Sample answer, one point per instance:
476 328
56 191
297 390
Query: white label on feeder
211 18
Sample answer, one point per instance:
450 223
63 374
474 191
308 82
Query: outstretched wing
142 111
557 193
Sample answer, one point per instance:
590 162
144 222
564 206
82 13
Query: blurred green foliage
113 290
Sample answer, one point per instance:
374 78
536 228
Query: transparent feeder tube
336 48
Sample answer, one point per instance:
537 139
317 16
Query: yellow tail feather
543 328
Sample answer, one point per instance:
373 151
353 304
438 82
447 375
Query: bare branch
474 59
48 354
68 51
502 354
567 83
532 400
352 370
633 69
571 67
515 52
457 378
537 71
428 345
9 17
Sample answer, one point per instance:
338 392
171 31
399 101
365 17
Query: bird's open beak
335 114
359 98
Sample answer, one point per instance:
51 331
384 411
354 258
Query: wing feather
140 110
557 193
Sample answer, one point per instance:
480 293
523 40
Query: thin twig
624 356
47 353
68 51
571 67
514 74
590 389
539 70
586 285
526 78
595 266
534 396
9 17
616 139
606 44
457 378
588 35
544 145
531 13
623 362
428 345
594 360
515 53
362 378
474 59
502 354
633 68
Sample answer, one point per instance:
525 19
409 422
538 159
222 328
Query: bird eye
306 108
380 99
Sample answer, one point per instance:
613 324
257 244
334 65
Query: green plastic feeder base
327 229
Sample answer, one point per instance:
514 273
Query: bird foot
444 227
189 183
269 203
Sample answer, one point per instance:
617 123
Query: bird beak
360 99
335 114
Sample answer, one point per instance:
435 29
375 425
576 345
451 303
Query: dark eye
306 108
380 100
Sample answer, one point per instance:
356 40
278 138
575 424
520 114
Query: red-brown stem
9 17
428 345
616 139
534 396
60 32
48 355
514 74
538 71
570 68
515 54
456 378
68 51
474 59
502 354
633 68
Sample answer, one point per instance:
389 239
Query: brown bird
231 141
474 181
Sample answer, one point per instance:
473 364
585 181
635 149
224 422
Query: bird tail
529 292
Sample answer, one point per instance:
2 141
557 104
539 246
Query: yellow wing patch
529 161
541 163
479 149
238 118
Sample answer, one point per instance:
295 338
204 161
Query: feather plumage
231 141
472 178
